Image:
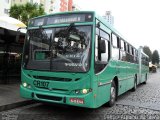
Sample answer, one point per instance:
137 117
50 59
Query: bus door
102 54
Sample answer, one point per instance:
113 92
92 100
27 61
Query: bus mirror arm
102 46
18 33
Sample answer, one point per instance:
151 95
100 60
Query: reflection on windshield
59 49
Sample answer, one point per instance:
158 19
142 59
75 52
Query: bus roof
60 13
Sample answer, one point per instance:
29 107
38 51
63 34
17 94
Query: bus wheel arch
116 83
113 95
135 84
146 77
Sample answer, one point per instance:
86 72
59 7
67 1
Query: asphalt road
144 103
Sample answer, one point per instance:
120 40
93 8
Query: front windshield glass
58 49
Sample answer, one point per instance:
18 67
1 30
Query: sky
137 20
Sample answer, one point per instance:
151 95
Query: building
50 6
70 5
108 16
4 7
53 6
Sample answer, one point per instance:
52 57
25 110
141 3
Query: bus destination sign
65 19
70 18
62 18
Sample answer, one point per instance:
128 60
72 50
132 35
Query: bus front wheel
112 95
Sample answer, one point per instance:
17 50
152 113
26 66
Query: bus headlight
24 84
84 91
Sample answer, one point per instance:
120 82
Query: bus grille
49 97
53 78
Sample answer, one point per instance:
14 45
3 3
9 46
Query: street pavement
144 103
10 97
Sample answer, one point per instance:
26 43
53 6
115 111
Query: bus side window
101 59
128 53
131 55
105 56
96 48
115 49
134 50
114 40
122 51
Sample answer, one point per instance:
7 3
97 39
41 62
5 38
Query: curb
15 105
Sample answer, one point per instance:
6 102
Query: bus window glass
115 53
101 59
52 49
96 48
104 35
122 55
105 55
114 40
97 31
128 48
122 45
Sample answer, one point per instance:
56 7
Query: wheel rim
135 85
113 94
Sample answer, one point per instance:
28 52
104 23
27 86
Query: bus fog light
77 91
84 91
24 84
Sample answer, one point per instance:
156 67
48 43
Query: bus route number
40 84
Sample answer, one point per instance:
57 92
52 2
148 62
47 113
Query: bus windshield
58 49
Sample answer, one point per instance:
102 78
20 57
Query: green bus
77 58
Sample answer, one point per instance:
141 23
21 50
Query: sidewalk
10 97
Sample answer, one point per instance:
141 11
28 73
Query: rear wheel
135 85
112 95
145 79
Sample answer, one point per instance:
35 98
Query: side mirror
19 33
102 46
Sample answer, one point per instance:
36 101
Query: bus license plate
41 84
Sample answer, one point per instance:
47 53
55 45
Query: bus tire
135 85
112 95
145 79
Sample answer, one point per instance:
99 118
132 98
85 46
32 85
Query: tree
148 52
155 57
26 11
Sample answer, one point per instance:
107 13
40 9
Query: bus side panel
104 83
121 74
131 71
144 70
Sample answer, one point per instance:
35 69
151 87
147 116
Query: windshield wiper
69 27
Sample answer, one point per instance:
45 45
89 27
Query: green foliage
26 11
155 57
147 51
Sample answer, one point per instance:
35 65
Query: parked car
152 68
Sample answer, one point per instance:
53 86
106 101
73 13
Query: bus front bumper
85 100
